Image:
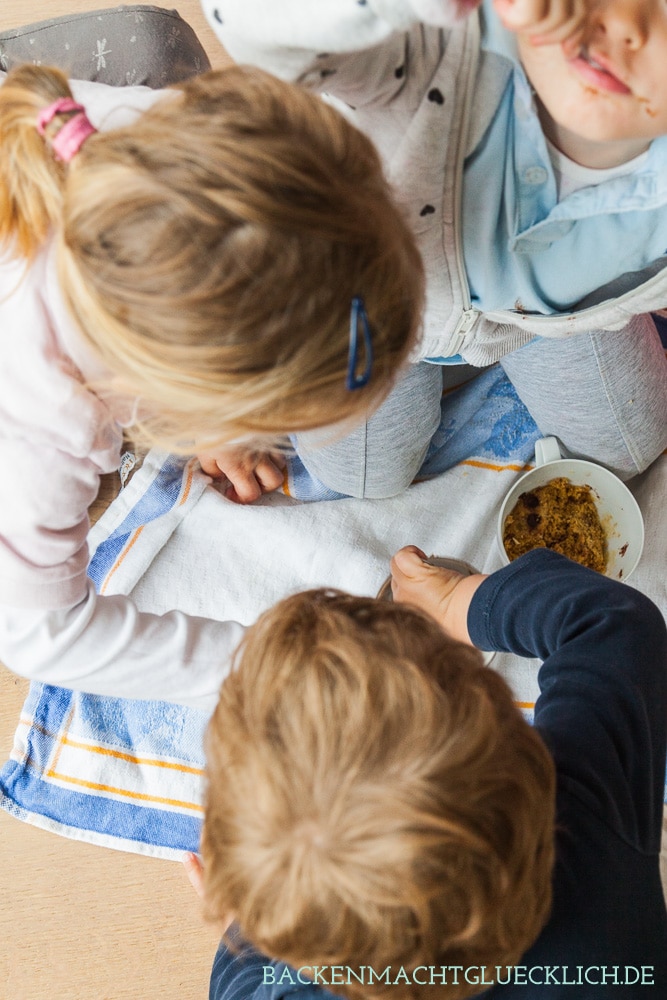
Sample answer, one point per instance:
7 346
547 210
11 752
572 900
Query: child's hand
250 473
548 22
195 872
441 593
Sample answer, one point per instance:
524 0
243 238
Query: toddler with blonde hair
213 266
527 142
381 820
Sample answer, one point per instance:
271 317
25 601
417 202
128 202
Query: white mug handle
546 450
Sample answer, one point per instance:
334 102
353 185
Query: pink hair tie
69 139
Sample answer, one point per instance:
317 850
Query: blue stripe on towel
96 814
161 496
133 727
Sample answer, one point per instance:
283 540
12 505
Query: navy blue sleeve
602 709
241 973
236 976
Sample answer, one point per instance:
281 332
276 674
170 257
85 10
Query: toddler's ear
443 12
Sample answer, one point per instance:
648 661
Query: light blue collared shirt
523 248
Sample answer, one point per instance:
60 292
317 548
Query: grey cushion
121 46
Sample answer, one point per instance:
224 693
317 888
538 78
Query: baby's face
613 87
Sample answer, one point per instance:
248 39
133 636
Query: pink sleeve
56 439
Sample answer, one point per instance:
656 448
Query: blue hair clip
358 316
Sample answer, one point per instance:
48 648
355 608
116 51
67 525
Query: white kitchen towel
130 774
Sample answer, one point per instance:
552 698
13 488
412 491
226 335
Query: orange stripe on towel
131 758
188 484
121 557
184 497
495 468
125 794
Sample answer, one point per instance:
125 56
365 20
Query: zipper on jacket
469 315
467 320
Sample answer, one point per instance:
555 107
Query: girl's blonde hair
210 251
375 798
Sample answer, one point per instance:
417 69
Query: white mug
619 512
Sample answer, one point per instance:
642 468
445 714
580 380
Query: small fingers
243 487
548 22
408 561
249 473
521 15
417 582
570 31
248 480
270 472
210 466
412 576
195 872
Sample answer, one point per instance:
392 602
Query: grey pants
602 394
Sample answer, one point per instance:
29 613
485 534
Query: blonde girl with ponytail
215 267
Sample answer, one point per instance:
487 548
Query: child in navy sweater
381 818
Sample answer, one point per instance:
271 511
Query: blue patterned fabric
482 419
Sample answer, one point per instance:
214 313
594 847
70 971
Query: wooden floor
79 922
